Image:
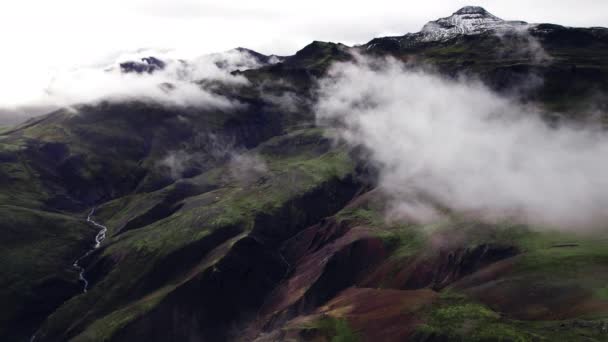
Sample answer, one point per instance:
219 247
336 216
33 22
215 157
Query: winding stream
101 235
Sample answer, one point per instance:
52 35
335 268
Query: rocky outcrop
147 65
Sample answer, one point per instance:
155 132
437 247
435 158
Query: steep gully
101 235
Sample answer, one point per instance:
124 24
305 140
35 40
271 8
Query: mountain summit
467 20
473 10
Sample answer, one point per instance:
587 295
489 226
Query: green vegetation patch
457 318
103 329
332 328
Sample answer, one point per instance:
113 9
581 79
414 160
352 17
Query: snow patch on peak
467 21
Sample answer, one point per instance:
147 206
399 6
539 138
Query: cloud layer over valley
453 144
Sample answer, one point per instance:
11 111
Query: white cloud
175 163
247 168
454 144
106 81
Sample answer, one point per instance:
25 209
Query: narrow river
101 235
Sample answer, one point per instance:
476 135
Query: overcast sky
39 37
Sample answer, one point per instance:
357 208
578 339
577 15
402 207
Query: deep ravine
101 235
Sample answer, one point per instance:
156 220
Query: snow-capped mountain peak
468 20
